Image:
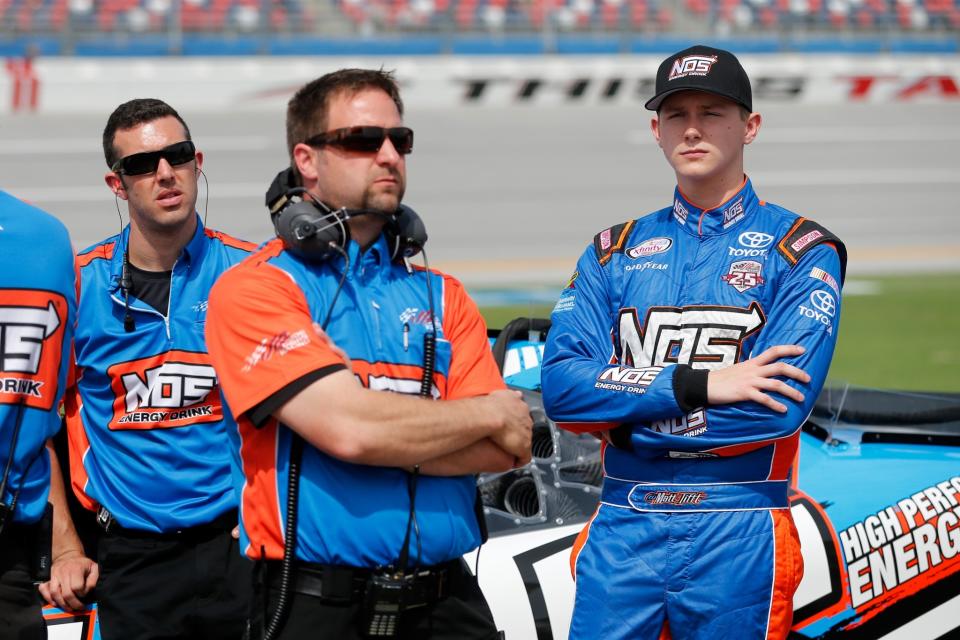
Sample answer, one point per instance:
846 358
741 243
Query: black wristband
690 387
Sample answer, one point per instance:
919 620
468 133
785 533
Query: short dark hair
129 115
307 110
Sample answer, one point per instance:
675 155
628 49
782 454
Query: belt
223 522
648 496
348 584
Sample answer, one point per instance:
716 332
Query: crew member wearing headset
386 503
147 430
37 309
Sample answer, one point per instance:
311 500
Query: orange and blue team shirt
262 332
37 308
144 413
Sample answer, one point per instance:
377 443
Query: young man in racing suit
695 340
37 309
387 494
148 448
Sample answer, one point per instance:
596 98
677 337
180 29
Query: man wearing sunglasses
387 497
695 341
146 427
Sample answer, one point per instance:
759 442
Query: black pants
20 615
191 585
462 615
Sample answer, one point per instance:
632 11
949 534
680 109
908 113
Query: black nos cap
703 68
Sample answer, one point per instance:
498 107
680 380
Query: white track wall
97 85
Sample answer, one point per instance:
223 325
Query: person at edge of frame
388 498
146 426
37 310
695 341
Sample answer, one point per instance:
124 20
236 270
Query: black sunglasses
138 164
366 139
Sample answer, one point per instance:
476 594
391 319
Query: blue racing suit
693 531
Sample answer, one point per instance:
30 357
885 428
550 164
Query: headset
315 231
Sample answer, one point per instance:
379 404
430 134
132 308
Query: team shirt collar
193 251
716 220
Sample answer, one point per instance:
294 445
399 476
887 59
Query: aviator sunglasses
138 164
366 139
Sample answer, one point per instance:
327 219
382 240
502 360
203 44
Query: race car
876 503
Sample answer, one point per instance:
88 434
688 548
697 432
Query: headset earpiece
406 235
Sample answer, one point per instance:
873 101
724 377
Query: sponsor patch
565 303
169 390
691 425
675 498
806 239
825 277
605 240
280 344
911 542
822 308
627 379
412 315
643 266
31 341
649 247
679 211
572 280
691 66
733 213
744 275
755 239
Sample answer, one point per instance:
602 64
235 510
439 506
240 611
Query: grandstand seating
54 16
377 16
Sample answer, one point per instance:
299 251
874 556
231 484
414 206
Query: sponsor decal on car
649 247
825 277
911 542
744 275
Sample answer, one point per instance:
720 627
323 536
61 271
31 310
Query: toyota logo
755 239
824 301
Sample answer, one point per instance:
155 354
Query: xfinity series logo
169 390
705 337
31 340
649 247
691 66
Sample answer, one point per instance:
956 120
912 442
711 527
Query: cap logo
691 66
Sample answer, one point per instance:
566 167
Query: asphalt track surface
511 196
